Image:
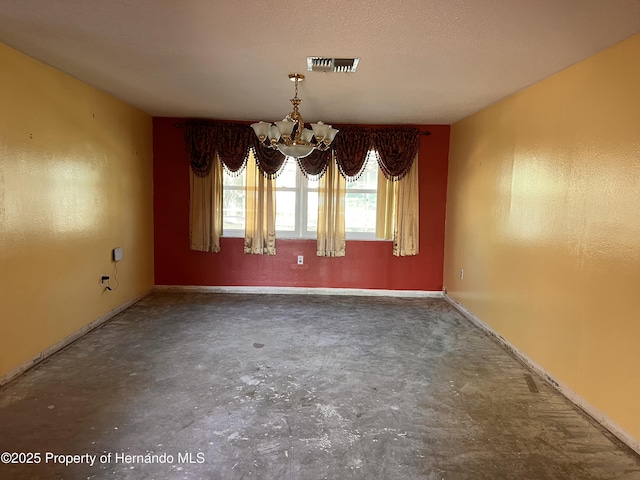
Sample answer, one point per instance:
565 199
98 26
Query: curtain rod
183 125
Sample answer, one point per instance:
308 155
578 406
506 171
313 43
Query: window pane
286 211
312 211
233 197
287 178
360 212
233 209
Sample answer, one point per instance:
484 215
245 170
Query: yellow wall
543 215
75 182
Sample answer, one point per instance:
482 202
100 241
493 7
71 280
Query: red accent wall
366 264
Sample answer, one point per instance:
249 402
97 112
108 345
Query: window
297 203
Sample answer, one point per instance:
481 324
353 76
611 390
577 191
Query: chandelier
290 136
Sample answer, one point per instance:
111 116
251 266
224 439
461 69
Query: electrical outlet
300 259
462 274
103 279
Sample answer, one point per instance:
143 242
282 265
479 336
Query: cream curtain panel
205 209
385 208
332 191
260 209
407 212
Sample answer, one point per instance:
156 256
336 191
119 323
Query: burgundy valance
351 145
231 145
396 149
201 146
269 161
206 140
315 164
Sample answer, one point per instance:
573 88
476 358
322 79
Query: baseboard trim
6 378
362 292
561 387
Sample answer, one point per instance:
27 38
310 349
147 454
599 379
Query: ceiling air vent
324 64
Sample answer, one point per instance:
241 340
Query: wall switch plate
118 254
300 259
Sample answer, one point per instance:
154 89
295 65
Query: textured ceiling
422 61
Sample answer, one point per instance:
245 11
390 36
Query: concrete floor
210 386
